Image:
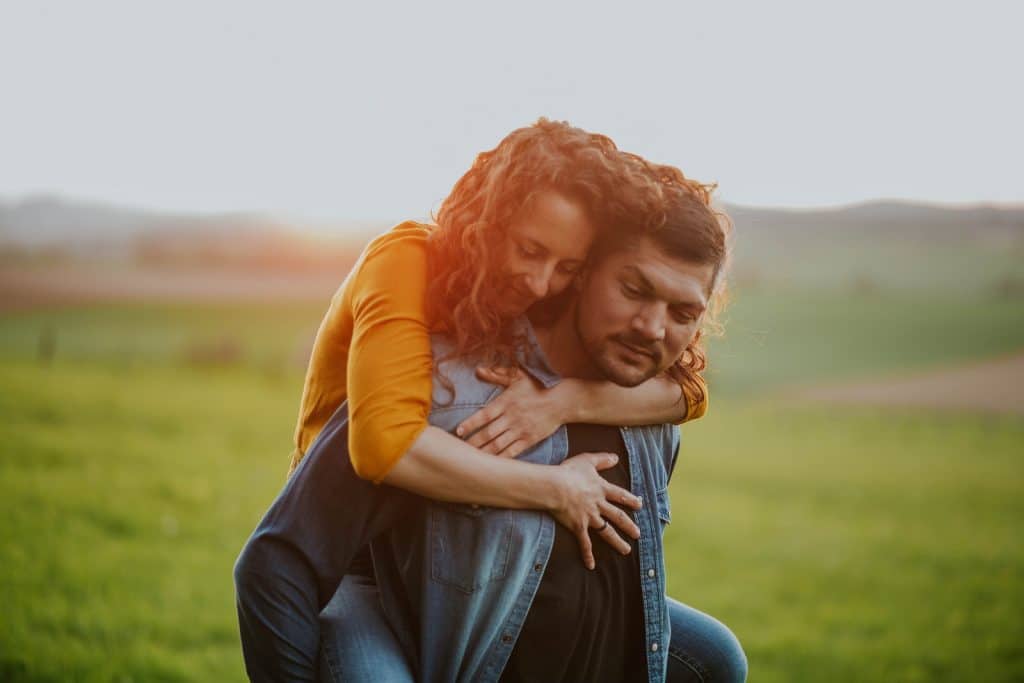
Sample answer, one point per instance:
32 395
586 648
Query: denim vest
458 580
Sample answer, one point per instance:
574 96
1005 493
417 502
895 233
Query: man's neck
563 347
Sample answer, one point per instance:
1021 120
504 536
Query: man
514 230
487 594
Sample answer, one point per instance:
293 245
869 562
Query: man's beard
604 358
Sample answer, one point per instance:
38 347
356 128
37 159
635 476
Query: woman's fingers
617 494
606 530
478 419
599 461
513 449
586 548
500 442
621 519
489 433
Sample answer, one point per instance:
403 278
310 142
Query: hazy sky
373 109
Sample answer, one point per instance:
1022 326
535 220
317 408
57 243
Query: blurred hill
881 245
53 228
886 218
865 247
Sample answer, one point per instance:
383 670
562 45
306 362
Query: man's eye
569 268
683 317
526 252
630 291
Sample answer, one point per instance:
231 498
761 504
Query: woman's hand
521 417
588 503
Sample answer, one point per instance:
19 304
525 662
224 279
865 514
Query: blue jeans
357 642
359 646
293 563
702 649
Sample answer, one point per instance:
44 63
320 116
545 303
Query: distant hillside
881 245
872 244
892 218
71 229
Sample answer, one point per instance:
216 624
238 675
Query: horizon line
283 214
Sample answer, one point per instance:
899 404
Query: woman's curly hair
468 242
658 202
624 195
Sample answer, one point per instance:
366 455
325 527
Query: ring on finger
603 526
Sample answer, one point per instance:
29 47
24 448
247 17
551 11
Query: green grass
840 545
784 337
125 498
861 546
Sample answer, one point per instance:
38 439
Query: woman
514 231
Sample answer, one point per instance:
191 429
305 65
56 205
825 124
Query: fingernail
458 430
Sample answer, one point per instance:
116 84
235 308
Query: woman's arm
389 393
526 413
656 401
443 467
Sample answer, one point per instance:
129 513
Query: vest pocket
469 545
664 507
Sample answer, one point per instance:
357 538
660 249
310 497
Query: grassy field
840 545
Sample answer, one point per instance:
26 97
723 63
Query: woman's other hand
589 500
522 416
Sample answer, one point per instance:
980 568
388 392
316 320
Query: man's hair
657 202
467 244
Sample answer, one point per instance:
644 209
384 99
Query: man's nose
650 322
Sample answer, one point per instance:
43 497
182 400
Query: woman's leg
702 649
358 645
294 561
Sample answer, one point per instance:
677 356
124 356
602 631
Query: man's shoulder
660 438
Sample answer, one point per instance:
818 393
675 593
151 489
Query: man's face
639 309
545 246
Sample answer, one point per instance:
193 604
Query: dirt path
994 386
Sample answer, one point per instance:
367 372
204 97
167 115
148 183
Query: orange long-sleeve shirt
373 348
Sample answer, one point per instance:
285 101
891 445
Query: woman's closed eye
631 291
528 252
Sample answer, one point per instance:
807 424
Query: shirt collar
532 357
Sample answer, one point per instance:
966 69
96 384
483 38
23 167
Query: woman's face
545 246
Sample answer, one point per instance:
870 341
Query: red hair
624 195
467 244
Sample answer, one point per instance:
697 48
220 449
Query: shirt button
650 573
537 567
506 638
654 647
475 506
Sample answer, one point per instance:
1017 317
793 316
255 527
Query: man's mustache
639 345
